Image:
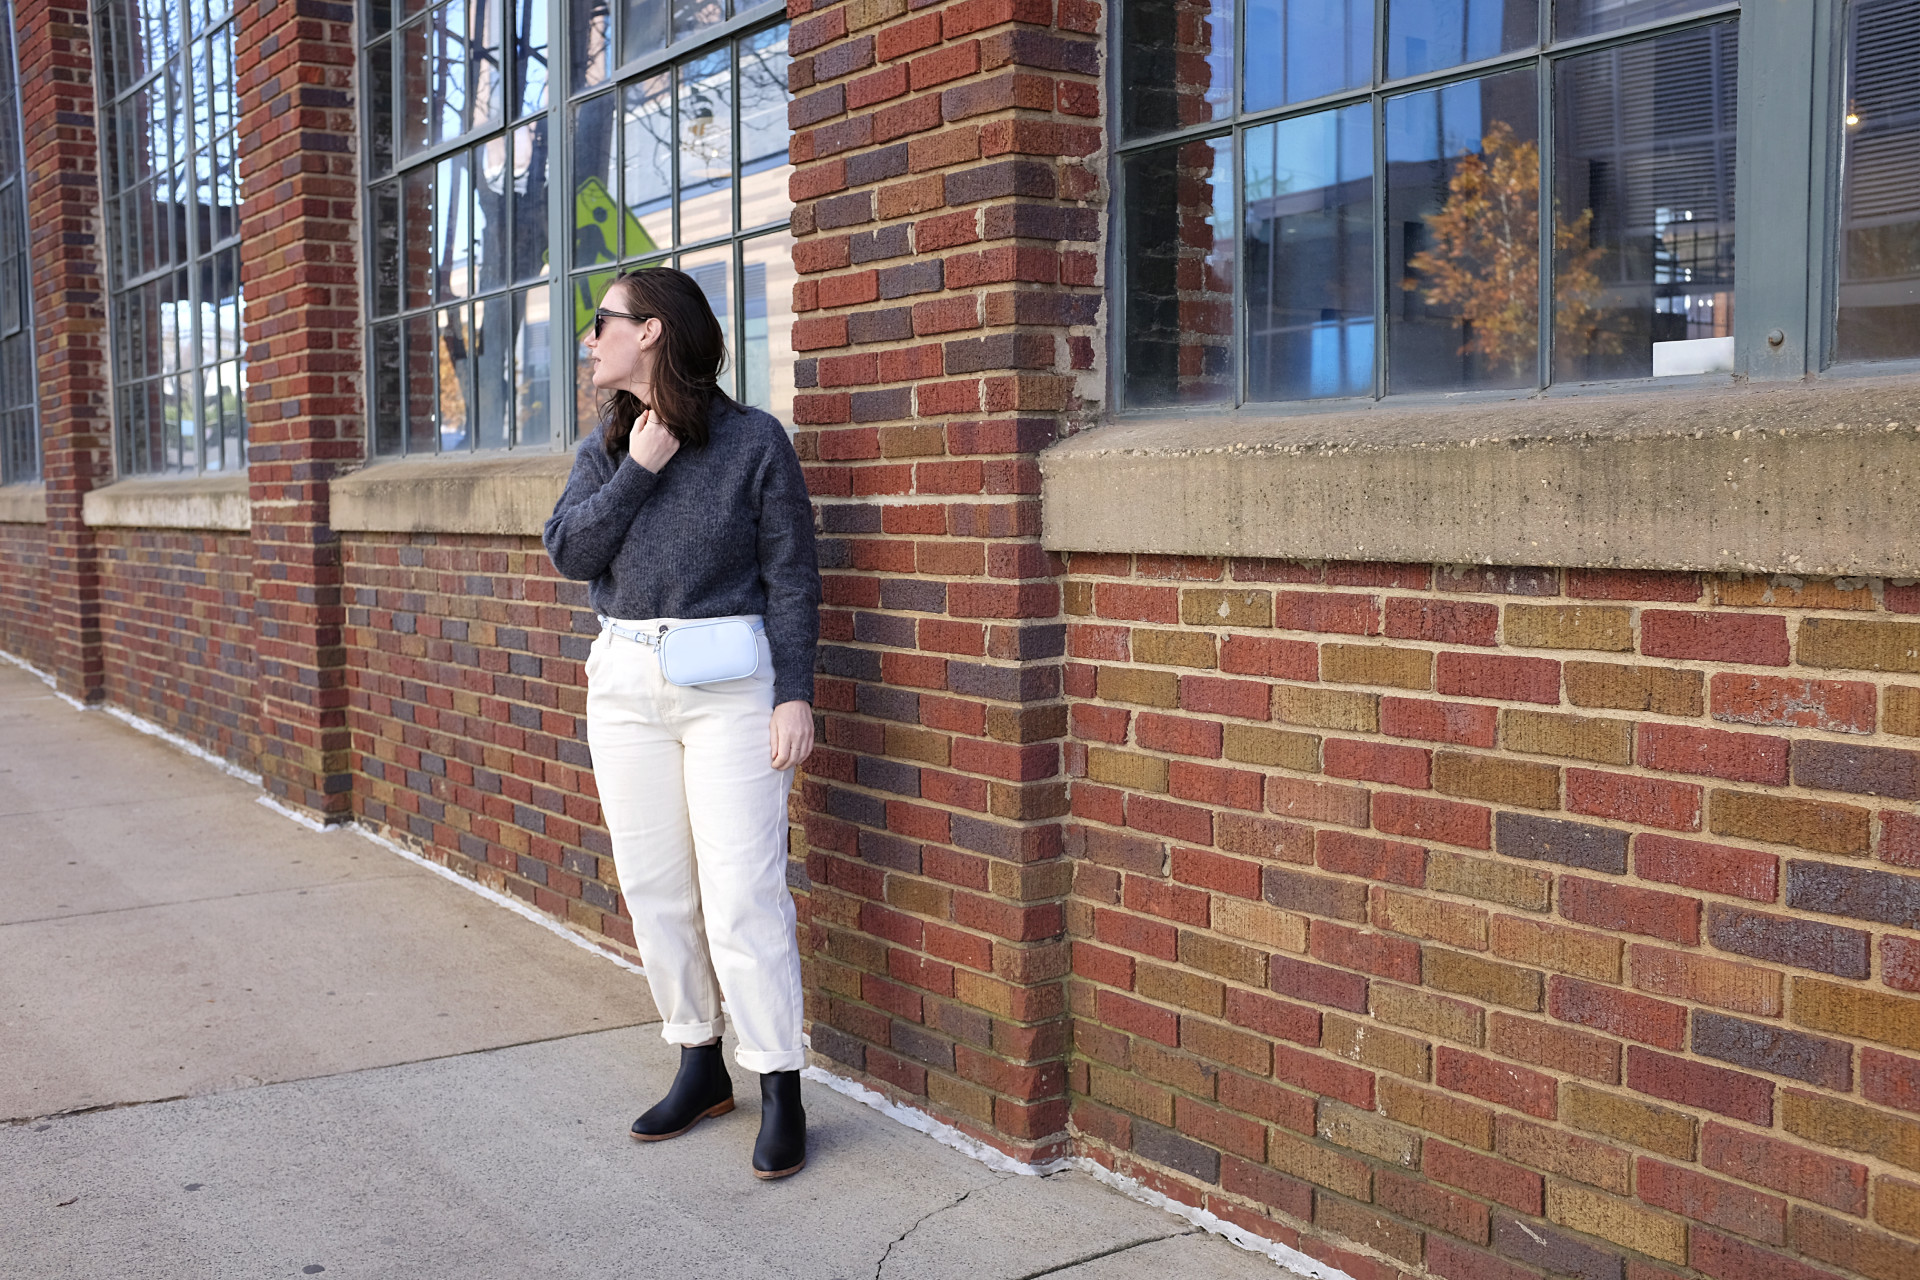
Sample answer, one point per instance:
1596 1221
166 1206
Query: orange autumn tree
1484 264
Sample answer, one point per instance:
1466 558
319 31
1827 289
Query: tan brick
1551 733
1366 1132
1859 646
1453 923
1666 690
1781 591
1174 648
1540 1146
1240 607
1182 1071
1076 598
1343 709
1488 980
919 897
1687 975
1426 1012
1851 1127
865 13
1176 986
1503 882
1556 947
1440 1113
958 1095
1145 688
983 992
1212 1042
1319 1165
1896 1205
1900 713
1376 664
1496 778
1131 1094
1258 922
1809 824
1610 1218
1569 626
1856 1011
907 743
1274 748
1366 1226
916 440
1127 769
1229 960
1627 1119
1374 1046
1560 1048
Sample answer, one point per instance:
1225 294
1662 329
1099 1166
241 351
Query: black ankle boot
701 1089
782 1147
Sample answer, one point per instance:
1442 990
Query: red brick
1786 1167
1318 984
1519 1189
1619 907
1617 1012
1710 868
1756 638
1457 1262
1426 818
1429 1205
1181 735
1100 724
1494 1081
1721 1204
1353 615
1136 603
1466 723
1111 968
1288 1108
1267 1186
1442 621
1725 1258
1377 762
1741 757
1487 675
1246 699
1627 797
1357 855
1695 1084
1264 838
1209 784
1837 706
1235 876
1146 1020
1148 937
1900 963
1165 818
1317 801
1222 1129
1900 838
1889 1079
1328 1077
1270 657
1365 951
1276 1018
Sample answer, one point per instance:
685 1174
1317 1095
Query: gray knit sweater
721 530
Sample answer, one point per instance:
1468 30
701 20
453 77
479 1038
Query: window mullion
1548 217
561 337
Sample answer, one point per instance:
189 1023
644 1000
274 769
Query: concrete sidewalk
233 1047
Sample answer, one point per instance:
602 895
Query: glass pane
1879 315
647 125
389 414
492 339
587 292
592 39
1643 203
596 231
452 230
1586 17
455 356
1177 64
643 28
422 395
763 129
1427 35
215 419
1301 49
530 201
417 89
233 399
489 78
490 215
1463 236
532 367
379 16
690 16
766 351
712 270
528 92
706 147
1179 274
449 107
1309 256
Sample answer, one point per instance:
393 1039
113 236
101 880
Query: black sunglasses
601 315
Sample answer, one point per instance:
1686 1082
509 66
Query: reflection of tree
1484 263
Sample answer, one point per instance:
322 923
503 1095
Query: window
1879 269
19 415
509 185
169 126
1343 198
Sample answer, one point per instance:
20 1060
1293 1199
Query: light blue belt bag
702 652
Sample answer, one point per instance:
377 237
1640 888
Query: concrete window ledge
184 502
503 494
1814 479
23 504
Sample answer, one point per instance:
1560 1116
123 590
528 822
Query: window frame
564 430
1790 83
8 473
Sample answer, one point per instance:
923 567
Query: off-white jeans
698 816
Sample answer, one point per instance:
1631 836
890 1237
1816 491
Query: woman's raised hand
652 444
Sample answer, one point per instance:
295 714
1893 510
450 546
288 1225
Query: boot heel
701 1089
720 1109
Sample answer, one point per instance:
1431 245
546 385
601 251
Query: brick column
298 268
947 218
65 236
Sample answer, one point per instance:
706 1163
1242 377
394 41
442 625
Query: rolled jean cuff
692 1032
762 1061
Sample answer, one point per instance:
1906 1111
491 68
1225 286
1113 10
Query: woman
684 505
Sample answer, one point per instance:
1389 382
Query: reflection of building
1879 292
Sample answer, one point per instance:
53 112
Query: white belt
652 638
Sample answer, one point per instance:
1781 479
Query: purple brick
1864 771
1808 944
1571 844
1775 1049
1854 891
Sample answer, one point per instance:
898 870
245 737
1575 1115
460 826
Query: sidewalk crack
923 1219
1103 1253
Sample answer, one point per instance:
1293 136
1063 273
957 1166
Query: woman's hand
792 733
651 444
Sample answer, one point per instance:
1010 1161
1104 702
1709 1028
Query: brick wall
24 602
1499 921
177 633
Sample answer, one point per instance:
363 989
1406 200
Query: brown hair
691 353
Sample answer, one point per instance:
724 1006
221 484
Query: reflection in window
1179 273
1879 302
1588 17
1643 179
1304 49
1178 65
1431 35
168 146
19 417
609 34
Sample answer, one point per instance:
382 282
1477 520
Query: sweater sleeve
789 571
589 524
